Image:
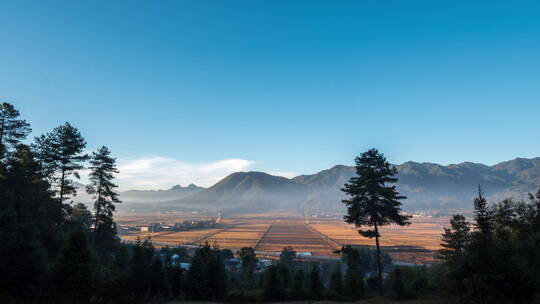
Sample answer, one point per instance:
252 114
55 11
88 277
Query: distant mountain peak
176 187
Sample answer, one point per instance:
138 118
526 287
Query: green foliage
60 153
249 262
498 261
12 129
206 278
298 280
287 256
272 286
315 284
24 263
373 198
336 281
75 270
143 253
101 187
455 239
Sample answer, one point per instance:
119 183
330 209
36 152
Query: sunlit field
271 232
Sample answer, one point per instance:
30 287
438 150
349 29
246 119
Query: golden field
271 232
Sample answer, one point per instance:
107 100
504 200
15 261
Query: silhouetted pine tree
25 265
298 283
455 239
249 262
81 216
398 289
354 284
75 270
159 285
336 281
284 276
272 286
60 153
101 187
24 189
374 200
206 278
287 256
315 284
12 129
176 280
482 215
143 253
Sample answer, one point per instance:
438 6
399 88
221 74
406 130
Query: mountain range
428 186
149 196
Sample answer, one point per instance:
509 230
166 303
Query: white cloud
162 172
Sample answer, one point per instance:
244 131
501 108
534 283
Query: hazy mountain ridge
148 196
246 191
427 186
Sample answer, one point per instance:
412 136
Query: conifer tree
272 286
374 200
25 265
81 216
143 253
315 283
286 258
12 129
455 239
298 280
482 214
176 281
61 155
354 284
249 261
398 288
336 281
25 191
284 276
102 188
197 284
75 270
206 278
158 283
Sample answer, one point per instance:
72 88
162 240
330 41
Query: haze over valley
428 187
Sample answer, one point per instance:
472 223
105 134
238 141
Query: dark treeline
496 257
54 250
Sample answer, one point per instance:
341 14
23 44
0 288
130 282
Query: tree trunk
2 139
98 213
62 185
379 268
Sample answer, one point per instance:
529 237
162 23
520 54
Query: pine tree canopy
61 155
12 129
374 199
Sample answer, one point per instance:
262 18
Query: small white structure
185 266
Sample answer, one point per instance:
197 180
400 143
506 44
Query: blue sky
280 86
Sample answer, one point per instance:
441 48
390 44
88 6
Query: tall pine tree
61 155
374 200
12 129
455 239
101 187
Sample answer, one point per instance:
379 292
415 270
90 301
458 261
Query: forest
57 251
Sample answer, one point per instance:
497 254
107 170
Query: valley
269 233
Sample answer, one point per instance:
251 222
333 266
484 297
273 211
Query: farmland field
271 232
296 234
